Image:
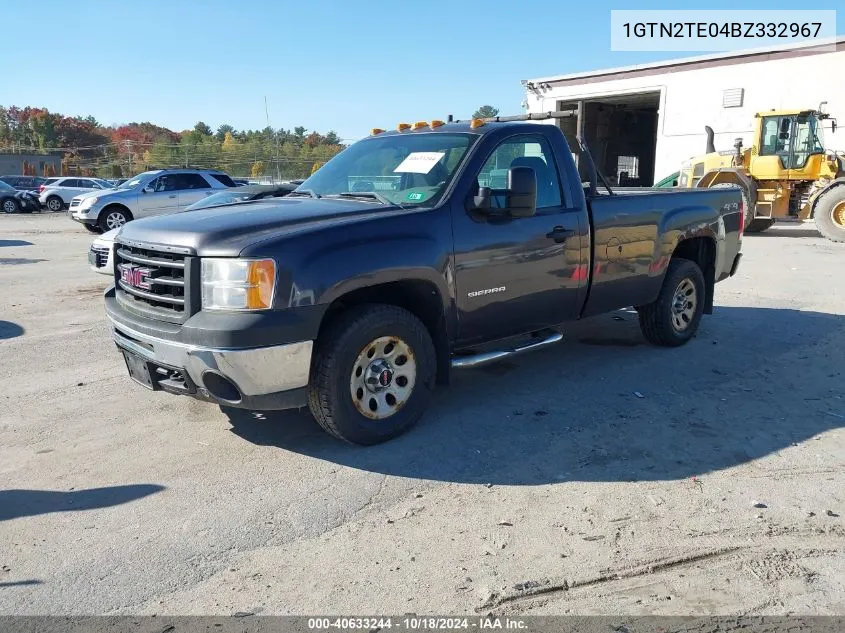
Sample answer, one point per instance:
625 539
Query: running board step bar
547 337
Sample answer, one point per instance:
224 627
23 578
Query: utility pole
129 149
276 136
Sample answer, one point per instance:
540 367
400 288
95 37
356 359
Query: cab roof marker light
420 124
437 123
403 126
476 123
376 130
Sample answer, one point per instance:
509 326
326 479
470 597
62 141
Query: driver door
518 274
159 196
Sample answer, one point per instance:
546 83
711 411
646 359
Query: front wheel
673 318
113 218
373 374
830 214
10 205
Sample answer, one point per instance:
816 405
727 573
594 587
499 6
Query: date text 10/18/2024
416 623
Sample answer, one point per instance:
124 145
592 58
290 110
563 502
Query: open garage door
622 134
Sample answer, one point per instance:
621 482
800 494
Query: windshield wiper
375 195
307 192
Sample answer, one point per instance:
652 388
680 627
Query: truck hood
226 230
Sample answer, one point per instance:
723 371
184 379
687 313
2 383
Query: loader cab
789 145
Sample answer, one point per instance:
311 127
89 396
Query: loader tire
830 214
759 225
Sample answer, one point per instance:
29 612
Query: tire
93 228
759 225
659 321
10 205
338 395
830 214
54 204
113 218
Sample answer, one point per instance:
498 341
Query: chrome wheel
54 204
683 305
383 377
115 220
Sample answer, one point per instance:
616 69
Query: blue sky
323 64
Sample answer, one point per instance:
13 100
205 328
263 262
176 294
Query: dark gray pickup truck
411 253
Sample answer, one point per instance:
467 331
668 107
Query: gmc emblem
135 276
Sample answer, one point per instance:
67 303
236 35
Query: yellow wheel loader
786 173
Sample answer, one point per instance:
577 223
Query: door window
523 151
69 182
189 181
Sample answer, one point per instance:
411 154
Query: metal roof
819 46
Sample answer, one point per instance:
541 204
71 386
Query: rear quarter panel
635 235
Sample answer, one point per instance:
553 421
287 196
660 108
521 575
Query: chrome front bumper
262 375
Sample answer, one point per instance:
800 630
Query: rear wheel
373 374
10 205
830 214
113 218
55 204
673 318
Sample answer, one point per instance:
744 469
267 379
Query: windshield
224 197
5 187
134 182
407 169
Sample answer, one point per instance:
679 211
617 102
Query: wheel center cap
379 375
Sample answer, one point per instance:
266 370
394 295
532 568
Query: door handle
173 196
560 234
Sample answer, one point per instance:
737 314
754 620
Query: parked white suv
151 193
56 193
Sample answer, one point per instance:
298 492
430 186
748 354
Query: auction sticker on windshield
419 162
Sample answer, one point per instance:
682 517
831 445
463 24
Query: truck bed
628 258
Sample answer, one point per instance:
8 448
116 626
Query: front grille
152 279
99 256
75 203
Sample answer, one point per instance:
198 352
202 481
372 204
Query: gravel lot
601 476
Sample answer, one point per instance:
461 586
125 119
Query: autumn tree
257 169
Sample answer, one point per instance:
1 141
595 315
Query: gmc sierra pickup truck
411 253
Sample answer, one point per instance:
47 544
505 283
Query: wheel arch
113 205
420 297
701 249
833 184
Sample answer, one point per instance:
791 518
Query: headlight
238 284
87 203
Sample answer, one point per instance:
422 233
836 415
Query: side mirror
483 200
522 192
833 126
148 189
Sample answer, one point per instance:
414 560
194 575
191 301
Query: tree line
92 149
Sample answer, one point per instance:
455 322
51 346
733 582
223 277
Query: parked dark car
242 194
14 201
23 183
410 254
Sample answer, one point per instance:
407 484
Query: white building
643 121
